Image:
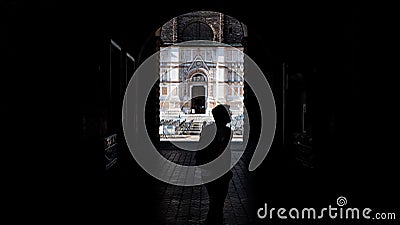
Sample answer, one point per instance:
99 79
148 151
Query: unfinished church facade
201 65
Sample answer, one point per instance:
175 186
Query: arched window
197 31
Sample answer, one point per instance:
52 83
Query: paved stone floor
189 205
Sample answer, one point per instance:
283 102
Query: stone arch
198 77
198 71
225 29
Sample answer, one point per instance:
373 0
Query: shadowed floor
189 205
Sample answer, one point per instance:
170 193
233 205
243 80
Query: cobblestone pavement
189 205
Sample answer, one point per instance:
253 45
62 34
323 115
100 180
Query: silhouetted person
217 189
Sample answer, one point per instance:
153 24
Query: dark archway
198 103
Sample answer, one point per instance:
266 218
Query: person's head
222 114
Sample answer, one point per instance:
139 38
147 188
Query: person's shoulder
209 126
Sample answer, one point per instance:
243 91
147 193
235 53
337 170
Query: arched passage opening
196 76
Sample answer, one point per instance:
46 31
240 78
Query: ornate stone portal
196 75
